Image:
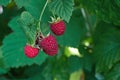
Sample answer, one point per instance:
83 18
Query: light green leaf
106 46
4 2
29 25
21 3
13 48
75 31
62 8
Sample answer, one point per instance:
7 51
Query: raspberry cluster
47 43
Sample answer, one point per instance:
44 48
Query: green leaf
4 2
29 25
13 46
76 63
56 68
90 75
114 74
117 2
3 78
36 77
21 3
75 31
62 8
35 7
106 10
106 46
3 70
34 72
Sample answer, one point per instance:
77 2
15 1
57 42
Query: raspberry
58 28
30 51
49 45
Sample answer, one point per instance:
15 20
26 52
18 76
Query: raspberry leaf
107 10
29 25
117 2
3 69
13 48
4 2
62 8
114 74
106 46
35 7
21 3
84 62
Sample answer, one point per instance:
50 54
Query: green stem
43 10
53 13
88 22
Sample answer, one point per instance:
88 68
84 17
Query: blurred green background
89 49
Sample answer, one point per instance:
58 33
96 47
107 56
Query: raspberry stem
43 10
88 22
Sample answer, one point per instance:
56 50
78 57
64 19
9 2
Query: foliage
63 8
92 27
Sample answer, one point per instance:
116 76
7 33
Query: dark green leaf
107 10
114 74
117 2
90 75
34 72
106 46
56 68
76 63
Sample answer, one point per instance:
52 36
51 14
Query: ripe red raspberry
58 27
30 51
49 45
